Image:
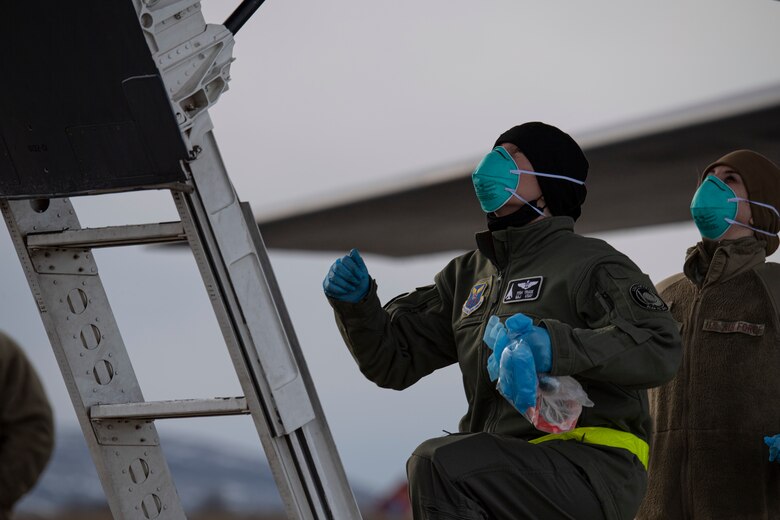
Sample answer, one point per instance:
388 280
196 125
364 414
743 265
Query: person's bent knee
420 463
427 449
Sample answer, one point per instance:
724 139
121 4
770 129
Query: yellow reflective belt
604 436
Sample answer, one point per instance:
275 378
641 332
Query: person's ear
542 204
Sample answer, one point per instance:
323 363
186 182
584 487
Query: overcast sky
329 96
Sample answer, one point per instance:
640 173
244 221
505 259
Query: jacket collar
500 246
710 262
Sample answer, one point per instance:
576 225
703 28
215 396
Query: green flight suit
608 329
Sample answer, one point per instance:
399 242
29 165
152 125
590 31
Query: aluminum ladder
193 60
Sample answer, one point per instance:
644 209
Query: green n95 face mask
714 207
494 181
497 177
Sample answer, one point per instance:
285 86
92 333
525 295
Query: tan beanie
762 181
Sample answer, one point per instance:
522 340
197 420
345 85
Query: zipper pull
496 290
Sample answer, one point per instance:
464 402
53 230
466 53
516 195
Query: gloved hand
512 364
496 338
537 339
347 279
517 376
774 447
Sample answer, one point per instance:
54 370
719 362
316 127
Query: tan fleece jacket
708 459
26 426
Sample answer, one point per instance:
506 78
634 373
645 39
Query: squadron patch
646 298
523 290
476 297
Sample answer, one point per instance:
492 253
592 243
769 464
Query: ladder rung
171 409
135 234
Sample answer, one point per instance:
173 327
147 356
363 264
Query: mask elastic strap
734 222
763 205
551 175
532 206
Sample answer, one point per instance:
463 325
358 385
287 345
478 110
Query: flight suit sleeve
397 345
26 425
631 338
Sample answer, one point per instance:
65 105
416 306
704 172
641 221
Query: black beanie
551 150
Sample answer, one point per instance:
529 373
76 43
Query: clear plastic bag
559 399
559 402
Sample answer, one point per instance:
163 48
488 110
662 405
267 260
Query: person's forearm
630 355
392 351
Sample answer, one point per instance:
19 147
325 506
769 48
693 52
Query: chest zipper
492 418
686 369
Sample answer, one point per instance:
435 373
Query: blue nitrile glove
496 338
517 376
537 339
774 447
348 279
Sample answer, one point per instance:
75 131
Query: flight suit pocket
629 297
421 300
634 293
615 272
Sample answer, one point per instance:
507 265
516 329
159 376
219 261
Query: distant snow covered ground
205 475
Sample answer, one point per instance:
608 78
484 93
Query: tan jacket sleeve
26 425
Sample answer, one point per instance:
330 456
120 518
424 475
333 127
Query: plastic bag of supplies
559 403
559 399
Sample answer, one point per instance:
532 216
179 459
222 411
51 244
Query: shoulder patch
646 298
523 289
476 297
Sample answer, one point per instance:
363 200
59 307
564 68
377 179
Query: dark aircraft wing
641 174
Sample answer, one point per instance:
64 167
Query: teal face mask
497 177
713 208
494 181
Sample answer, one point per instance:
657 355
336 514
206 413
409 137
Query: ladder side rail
281 459
271 339
235 249
315 434
194 60
94 363
298 480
